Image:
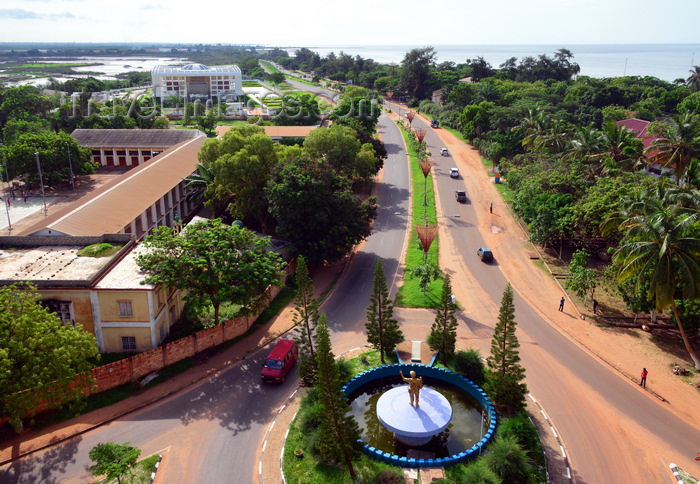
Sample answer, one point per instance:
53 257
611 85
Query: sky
311 23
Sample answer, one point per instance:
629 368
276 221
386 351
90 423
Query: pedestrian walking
491 208
561 304
25 198
643 382
595 307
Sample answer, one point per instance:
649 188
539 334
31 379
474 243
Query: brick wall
136 367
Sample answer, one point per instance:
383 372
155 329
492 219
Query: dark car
434 123
485 254
461 196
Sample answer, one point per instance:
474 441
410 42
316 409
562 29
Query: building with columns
148 196
197 81
127 148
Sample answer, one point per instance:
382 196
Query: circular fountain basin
414 426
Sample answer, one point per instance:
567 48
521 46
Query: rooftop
118 203
195 69
133 138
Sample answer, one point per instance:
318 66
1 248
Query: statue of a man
414 386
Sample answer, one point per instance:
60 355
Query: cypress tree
505 375
383 331
339 433
443 332
305 318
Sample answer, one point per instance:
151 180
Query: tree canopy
317 211
40 357
213 262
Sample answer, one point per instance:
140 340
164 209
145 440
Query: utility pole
70 166
41 181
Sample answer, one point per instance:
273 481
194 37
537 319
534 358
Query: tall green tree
113 460
40 357
505 375
339 432
242 162
213 262
305 319
443 332
340 147
317 211
581 279
383 331
415 72
660 249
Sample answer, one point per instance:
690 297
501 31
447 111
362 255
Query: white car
454 173
443 152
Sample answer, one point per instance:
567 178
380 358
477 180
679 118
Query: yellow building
103 294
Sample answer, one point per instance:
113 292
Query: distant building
126 148
197 81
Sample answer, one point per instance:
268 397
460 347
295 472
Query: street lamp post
41 181
70 166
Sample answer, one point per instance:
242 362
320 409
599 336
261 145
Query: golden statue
414 386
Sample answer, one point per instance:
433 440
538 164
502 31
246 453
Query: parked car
280 360
485 254
454 172
434 123
461 196
443 152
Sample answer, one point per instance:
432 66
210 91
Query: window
64 309
128 343
125 310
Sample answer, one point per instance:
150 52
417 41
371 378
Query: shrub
470 365
520 427
508 460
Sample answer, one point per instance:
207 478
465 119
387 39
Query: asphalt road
603 420
213 430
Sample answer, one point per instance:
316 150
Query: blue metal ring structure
445 376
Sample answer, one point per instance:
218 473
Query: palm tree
658 249
586 143
679 146
693 81
198 181
623 150
533 126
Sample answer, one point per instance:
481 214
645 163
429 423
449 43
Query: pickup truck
461 196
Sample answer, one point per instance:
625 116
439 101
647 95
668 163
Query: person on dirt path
643 382
595 307
561 304
491 208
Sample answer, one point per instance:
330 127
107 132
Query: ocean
665 61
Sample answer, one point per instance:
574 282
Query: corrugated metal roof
118 203
133 138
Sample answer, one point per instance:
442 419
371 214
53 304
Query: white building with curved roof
197 81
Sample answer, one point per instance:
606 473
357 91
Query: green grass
99 250
410 294
269 66
141 474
